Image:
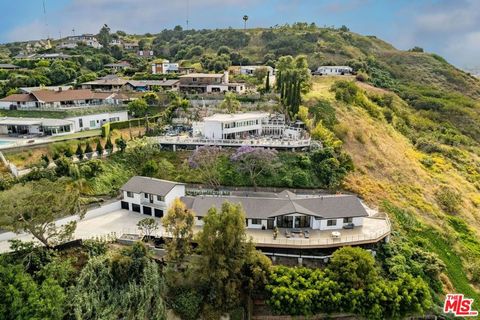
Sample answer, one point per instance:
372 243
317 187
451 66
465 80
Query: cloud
139 16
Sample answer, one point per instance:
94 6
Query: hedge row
108 127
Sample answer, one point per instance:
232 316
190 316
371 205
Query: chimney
225 77
60 89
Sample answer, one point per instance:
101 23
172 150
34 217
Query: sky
450 28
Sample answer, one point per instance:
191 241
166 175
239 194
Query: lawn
78 135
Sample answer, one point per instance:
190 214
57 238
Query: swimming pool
4 143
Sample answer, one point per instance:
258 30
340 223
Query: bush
449 200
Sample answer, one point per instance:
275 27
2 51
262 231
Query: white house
333 70
263 210
164 66
250 70
245 125
44 126
150 196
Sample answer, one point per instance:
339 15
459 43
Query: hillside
412 127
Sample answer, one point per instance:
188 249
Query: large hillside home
333 71
150 196
307 221
209 83
54 99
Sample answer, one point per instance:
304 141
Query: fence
271 143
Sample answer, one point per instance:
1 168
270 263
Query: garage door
125 205
135 207
158 213
147 211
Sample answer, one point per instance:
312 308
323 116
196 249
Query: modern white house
20 126
150 196
333 71
245 125
164 66
263 210
250 70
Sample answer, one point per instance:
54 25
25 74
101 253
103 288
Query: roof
202 75
19 97
221 117
33 121
142 83
57 96
325 207
154 186
119 64
54 88
107 80
8 66
341 67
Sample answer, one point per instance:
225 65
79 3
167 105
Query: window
146 195
285 222
302 222
80 123
256 221
194 79
200 218
129 194
347 220
331 223
160 198
92 124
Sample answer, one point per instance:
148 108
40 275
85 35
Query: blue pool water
3 142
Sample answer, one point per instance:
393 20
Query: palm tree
245 18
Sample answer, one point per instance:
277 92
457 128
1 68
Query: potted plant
275 233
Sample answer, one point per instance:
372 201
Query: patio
372 231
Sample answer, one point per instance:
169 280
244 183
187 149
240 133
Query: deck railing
234 142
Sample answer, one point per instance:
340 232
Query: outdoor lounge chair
306 234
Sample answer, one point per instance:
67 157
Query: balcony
254 142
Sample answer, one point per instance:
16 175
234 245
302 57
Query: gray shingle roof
153 186
334 206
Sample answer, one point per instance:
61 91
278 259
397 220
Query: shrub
449 200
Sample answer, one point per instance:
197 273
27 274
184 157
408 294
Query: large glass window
347 220
302 222
285 222
256 221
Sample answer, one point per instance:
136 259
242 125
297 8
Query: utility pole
188 12
245 18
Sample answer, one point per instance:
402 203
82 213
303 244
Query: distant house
145 53
42 56
52 88
107 83
250 70
86 39
130 45
116 42
8 66
333 70
54 99
165 66
209 83
150 85
20 126
118 66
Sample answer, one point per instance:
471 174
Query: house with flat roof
152 85
118 66
320 215
209 83
250 70
8 66
107 83
164 66
54 99
333 70
21 126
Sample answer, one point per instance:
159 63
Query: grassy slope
388 168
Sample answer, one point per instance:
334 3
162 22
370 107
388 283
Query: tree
150 168
99 148
109 144
124 285
147 226
138 108
23 298
121 144
206 159
88 148
151 98
35 206
224 254
267 82
254 161
104 36
178 223
230 103
79 152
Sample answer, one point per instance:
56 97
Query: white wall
256 226
177 192
357 221
213 130
99 119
